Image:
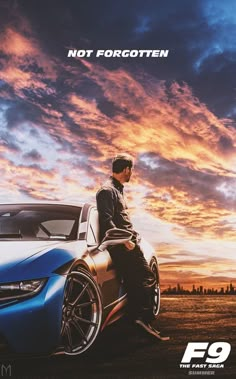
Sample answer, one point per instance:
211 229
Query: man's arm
105 206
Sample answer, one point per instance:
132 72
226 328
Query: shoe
150 330
147 327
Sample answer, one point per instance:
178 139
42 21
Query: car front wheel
81 312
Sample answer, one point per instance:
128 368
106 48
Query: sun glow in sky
62 120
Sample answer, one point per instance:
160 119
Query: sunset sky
62 119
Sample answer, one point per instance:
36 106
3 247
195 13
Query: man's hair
121 161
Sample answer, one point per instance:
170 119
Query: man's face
128 173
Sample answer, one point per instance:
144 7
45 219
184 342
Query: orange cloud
204 220
14 43
168 121
21 53
20 79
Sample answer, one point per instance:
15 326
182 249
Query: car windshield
39 222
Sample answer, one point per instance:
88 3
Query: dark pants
138 278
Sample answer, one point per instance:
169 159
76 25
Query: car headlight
20 289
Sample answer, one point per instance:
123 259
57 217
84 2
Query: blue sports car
58 287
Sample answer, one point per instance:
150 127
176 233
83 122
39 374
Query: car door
107 277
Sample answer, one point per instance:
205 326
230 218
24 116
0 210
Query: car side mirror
113 237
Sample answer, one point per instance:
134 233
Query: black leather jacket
112 208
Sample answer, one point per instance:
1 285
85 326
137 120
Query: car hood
33 259
14 252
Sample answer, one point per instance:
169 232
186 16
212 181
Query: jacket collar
117 184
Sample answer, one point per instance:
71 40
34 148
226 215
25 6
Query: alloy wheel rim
81 313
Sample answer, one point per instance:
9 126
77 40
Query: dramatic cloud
62 120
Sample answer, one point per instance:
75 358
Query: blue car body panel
33 325
41 264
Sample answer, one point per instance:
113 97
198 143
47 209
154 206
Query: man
128 258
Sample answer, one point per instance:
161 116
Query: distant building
179 290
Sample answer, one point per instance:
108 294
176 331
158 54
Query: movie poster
81 81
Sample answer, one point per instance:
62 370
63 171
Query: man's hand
129 245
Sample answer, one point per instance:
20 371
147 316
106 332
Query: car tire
81 312
157 291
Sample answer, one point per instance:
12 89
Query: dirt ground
124 352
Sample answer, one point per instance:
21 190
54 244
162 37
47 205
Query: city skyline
179 290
